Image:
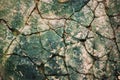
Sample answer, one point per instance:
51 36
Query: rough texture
52 40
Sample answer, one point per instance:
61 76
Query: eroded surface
49 40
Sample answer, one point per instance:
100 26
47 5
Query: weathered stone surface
53 40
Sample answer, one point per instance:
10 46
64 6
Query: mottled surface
53 40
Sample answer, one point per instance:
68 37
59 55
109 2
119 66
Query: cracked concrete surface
53 40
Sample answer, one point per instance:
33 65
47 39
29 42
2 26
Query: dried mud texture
55 40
